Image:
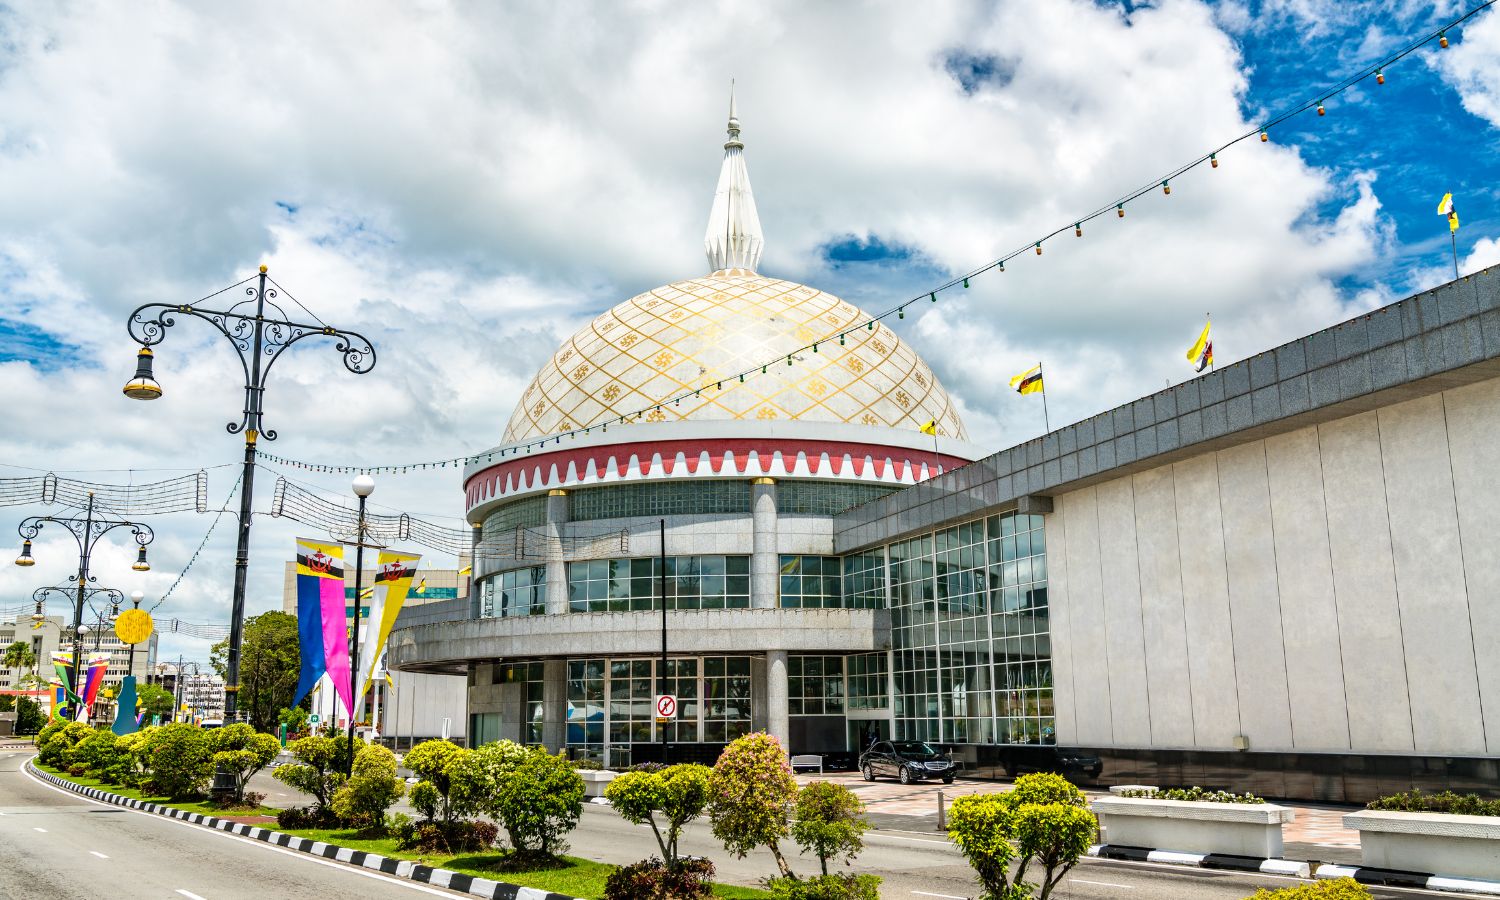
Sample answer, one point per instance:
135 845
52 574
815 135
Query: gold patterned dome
698 335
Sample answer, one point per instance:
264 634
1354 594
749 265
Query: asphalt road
57 846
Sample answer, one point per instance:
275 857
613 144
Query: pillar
778 695
765 564
555 701
557 568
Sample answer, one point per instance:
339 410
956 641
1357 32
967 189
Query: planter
1237 829
595 781
1440 843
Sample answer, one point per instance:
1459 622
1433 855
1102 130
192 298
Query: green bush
29 716
539 803
829 823
992 830
426 799
1193 794
653 879
241 750
56 748
679 793
1335 889
319 770
96 751
432 761
181 761
362 801
751 790
454 837
826 887
1444 802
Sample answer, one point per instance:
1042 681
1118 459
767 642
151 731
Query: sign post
666 707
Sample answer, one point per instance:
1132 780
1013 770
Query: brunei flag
1029 381
1445 208
930 428
1201 354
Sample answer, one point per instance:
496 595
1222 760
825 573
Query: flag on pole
393 577
1029 381
421 587
92 680
930 428
320 616
1201 354
1445 208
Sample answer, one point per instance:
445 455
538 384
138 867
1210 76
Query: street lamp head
143 386
25 558
136 596
140 562
84 629
364 485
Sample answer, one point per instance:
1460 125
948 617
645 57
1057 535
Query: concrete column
555 699
557 570
778 722
765 564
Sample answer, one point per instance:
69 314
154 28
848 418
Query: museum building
1279 576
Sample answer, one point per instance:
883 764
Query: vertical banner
393 577
66 702
321 629
94 678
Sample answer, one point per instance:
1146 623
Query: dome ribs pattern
696 335
728 458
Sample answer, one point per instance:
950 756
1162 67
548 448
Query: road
58 846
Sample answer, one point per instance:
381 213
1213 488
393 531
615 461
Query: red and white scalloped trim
585 466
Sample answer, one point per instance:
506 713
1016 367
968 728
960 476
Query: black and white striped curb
1396 878
1265 866
400 868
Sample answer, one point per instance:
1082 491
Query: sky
467 184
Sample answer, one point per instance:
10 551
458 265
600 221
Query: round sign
666 706
133 626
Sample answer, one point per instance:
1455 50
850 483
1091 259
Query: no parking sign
666 706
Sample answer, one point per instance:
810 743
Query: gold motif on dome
766 412
817 388
868 419
628 341
831 319
663 359
541 406
903 399
656 415
566 355
650 303
565 426
855 364
879 346
805 334
612 392
676 314
921 379
581 372
608 326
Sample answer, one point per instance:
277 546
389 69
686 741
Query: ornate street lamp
259 340
363 487
86 531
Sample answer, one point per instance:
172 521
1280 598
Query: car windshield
915 748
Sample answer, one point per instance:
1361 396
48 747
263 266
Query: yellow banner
320 560
393 577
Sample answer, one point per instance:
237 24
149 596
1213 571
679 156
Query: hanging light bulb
1166 188
1078 229
841 340
933 296
1443 39
140 564
815 348
788 360
901 312
1038 248
1321 110
1213 160
1120 210
1379 76
1263 136
872 324
25 558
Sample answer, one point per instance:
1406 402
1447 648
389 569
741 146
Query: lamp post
363 487
259 340
136 596
86 531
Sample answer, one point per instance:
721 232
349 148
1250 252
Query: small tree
239 749
1042 821
55 745
29 717
363 800
181 760
751 789
829 823
538 802
154 700
433 761
679 793
319 770
295 719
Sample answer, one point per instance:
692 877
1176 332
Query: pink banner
336 638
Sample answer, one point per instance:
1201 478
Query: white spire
734 239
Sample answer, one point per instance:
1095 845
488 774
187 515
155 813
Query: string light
1264 136
1213 160
1443 39
1078 229
1321 110
1379 77
1120 210
1038 248
1166 188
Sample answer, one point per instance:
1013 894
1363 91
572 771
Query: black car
1071 764
906 761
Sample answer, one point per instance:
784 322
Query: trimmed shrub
319 770
1444 802
180 759
1335 889
77 769
453 837
362 801
826 887
432 761
653 879
426 799
679 793
242 750
992 830
55 746
96 751
829 823
539 803
750 792
1194 794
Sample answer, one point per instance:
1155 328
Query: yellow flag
393 577
422 586
1201 346
1445 208
466 570
1029 381
930 428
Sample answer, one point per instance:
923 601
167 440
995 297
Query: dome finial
734 239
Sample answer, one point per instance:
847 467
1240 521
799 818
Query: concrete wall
1332 588
416 704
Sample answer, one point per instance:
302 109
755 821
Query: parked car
1047 758
906 761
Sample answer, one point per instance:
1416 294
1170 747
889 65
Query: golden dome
698 335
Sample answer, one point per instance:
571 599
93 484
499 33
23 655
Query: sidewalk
1317 834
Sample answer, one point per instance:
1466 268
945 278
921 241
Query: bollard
942 814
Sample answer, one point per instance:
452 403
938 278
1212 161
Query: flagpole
1046 418
1453 240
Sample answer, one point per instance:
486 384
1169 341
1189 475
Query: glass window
656 499
811 582
816 685
693 582
825 498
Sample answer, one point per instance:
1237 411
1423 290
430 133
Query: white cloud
1472 66
470 183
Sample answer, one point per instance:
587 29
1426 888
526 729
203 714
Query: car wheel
869 773
905 775
1010 771
947 779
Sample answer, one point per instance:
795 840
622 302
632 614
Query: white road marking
189 894
944 896
98 854
42 830
898 837
1112 884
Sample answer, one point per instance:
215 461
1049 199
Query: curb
400 868
1264 865
1398 878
